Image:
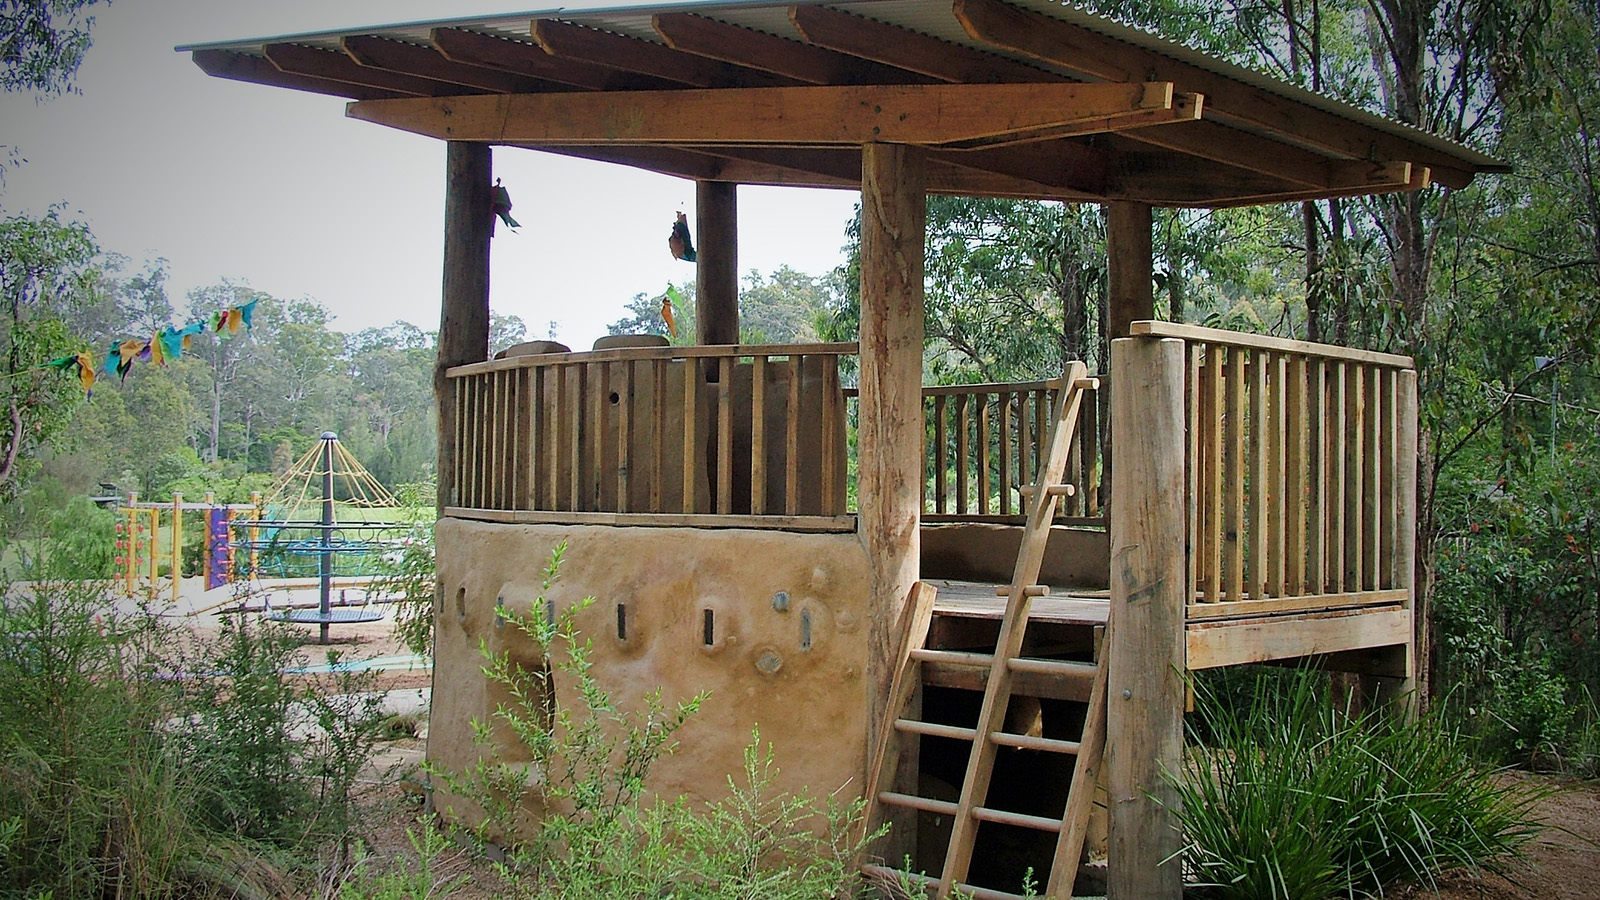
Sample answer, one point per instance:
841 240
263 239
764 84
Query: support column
464 310
1129 266
889 448
716 292
1149 575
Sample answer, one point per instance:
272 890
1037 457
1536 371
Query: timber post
893 223
1149 579
1130 295
716 290
464 313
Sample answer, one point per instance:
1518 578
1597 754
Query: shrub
1294 800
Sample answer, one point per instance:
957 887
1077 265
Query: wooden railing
1301 468
983 443
749 435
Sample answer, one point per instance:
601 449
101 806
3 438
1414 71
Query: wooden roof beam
758 50
1075 169
565 40
1100 58
397 56
947 114
1174 179
330 65
258 70
910 50
531 61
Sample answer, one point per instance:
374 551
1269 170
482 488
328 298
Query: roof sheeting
1281 126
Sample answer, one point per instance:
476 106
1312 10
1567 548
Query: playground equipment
326 479
138 546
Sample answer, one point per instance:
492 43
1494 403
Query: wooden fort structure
933 639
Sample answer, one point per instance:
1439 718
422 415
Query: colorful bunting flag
82 362
165 345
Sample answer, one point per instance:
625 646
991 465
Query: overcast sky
277 189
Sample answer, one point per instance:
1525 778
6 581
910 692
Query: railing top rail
1264 342
841 348
997 387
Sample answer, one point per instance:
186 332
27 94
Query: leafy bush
409 576
88 789
1295 800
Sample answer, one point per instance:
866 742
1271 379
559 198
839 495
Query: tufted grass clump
1292 799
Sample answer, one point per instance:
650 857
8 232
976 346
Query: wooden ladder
990 735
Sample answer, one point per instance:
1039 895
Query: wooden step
1018 820
893 876
933 729
953 657
1057 668
1028 742
911 801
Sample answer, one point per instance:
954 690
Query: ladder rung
928 881
933 729
1031 590
954 657
1001 817
1057 667
1028 742
910 801
1087 384
1056 490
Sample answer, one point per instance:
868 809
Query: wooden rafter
780 56
910 50
1072 167
398 56
565 40
1171 178
531 61
330 65
258 70
1100 58
955 115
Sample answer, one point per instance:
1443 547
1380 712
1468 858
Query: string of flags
167 344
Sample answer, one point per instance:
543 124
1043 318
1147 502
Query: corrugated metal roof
930 17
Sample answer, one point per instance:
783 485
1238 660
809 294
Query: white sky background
275 188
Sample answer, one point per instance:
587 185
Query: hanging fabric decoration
500 202
668 300
82 362
164 345
679 242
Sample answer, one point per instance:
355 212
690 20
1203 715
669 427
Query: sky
276 189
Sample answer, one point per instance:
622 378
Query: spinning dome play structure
325 510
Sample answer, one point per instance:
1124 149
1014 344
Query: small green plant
409 575
429 873
1293 800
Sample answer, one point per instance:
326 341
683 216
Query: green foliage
409 576
42 43
273 755
1292 799
427 875
90 797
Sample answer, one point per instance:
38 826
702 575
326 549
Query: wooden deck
977 600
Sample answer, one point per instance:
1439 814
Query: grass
1291 799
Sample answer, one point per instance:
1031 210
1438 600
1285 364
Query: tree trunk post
464 311
1149 587
893 225
716 294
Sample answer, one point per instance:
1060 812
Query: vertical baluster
963 428
1277 482
1025 449
1234 514
1260 446
941 481
458 392
594 486
1194 419
1317 425
658 433
791 450
983 453
832 487
1216 494
1371 505
625 411
758 436
580 392
724 489
543 460
1389 488
1003 407
558 408
1089 428
1336 477
691 375
1356 475
1294 505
